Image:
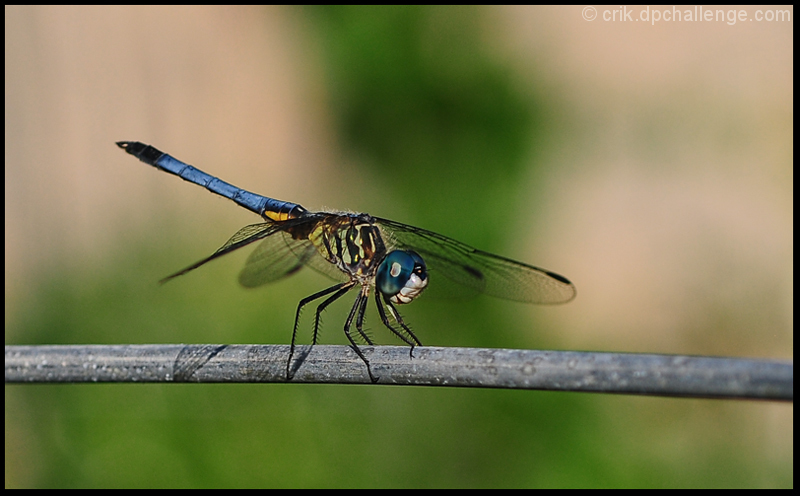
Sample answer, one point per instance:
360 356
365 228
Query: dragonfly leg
341 289
322 306
360 318
399 319
358 307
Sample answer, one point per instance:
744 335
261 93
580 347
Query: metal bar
624 373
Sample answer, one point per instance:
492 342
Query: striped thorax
351 242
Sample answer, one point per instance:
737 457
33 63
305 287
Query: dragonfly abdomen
269 208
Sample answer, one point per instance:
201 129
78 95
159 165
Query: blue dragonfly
361 252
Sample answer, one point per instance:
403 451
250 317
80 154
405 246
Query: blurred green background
650 164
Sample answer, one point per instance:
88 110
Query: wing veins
240 239
480 270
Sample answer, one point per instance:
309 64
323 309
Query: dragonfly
393 261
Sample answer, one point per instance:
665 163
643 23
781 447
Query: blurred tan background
658 178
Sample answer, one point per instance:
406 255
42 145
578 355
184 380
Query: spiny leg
322 306
386 322
342 288
360 319
399 320
359 307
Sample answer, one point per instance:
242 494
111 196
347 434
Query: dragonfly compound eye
402 276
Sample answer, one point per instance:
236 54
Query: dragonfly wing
276 257
281 255
243 237
326 268
467 270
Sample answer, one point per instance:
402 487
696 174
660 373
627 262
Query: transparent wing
276 257
243 237
279 256
466 270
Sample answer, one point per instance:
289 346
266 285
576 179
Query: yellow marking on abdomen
277 216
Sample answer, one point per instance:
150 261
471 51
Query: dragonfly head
402 276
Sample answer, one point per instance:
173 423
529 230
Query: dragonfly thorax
355 245
352 242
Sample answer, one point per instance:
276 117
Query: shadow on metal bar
621 373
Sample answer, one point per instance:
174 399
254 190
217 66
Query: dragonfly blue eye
402 276
347 247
